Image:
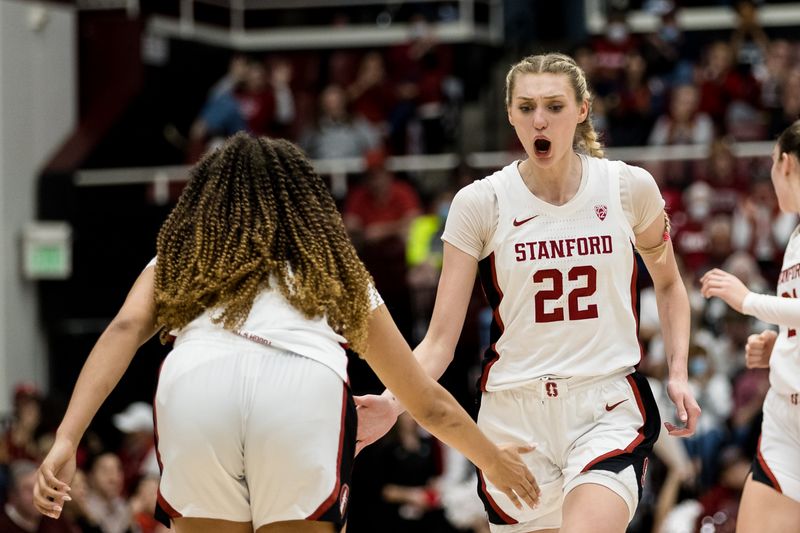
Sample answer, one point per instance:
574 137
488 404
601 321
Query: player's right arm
438 412
377 414
133 325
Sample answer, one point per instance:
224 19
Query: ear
508 113
790 164
583 111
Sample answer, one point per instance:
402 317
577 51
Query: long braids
255 212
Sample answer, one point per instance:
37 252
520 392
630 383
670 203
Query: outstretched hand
725 286
56 471
759 348
510 474
376 416
685 407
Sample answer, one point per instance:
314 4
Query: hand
685 406
51 488
510 474
759 348
376 416
726 286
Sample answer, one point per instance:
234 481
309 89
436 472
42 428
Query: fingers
49 494
513 497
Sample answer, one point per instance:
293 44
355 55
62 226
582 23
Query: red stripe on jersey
639 437
498 320
166 507
765 467
335 492
634 276
507 519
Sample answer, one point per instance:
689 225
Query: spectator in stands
266 98
789 110
370 95
772 74
611 50
721 84
411 466
723 173
690 237
720 504
419 69
338 134
713 392
19 440
143 504
377 215
424 258
749 41
630 105
138 452
684 123
19 515
105 501
761 228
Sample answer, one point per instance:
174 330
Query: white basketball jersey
784 364
561 281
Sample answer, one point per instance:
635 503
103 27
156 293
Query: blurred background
104 104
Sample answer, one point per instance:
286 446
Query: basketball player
255 424
771 497
552 238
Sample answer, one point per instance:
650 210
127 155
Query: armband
658 253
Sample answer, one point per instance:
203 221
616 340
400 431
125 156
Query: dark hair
255 215
789 140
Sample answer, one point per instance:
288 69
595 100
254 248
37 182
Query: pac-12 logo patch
601 211
344 498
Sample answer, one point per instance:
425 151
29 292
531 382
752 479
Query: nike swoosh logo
524 220
612 407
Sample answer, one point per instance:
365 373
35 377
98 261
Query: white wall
38 109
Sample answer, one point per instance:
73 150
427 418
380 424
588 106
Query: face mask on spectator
698 366
699 210
617 32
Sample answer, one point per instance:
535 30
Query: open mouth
541 146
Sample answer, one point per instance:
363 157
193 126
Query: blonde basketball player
771 498
255 423
553 238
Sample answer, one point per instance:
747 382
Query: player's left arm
655 248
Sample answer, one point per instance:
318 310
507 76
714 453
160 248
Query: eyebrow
546 97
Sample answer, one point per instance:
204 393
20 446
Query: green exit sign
47 250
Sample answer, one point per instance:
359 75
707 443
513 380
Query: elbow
131 327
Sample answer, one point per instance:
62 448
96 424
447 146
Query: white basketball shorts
586 430
777 460
249 433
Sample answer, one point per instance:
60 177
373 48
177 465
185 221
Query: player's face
780 180
544 114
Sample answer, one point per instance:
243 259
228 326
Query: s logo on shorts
344 497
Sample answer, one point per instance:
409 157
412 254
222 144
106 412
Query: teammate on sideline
259 283
771 497
552 238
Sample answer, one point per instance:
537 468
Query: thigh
591 508
299 444
297 526
777 460
517 417
764 510
206 525
612 448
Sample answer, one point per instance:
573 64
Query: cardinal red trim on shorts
507 519
334 495
765 467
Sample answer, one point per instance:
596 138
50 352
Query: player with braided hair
552 238
258 283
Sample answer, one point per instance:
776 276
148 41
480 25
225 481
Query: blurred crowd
659 89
